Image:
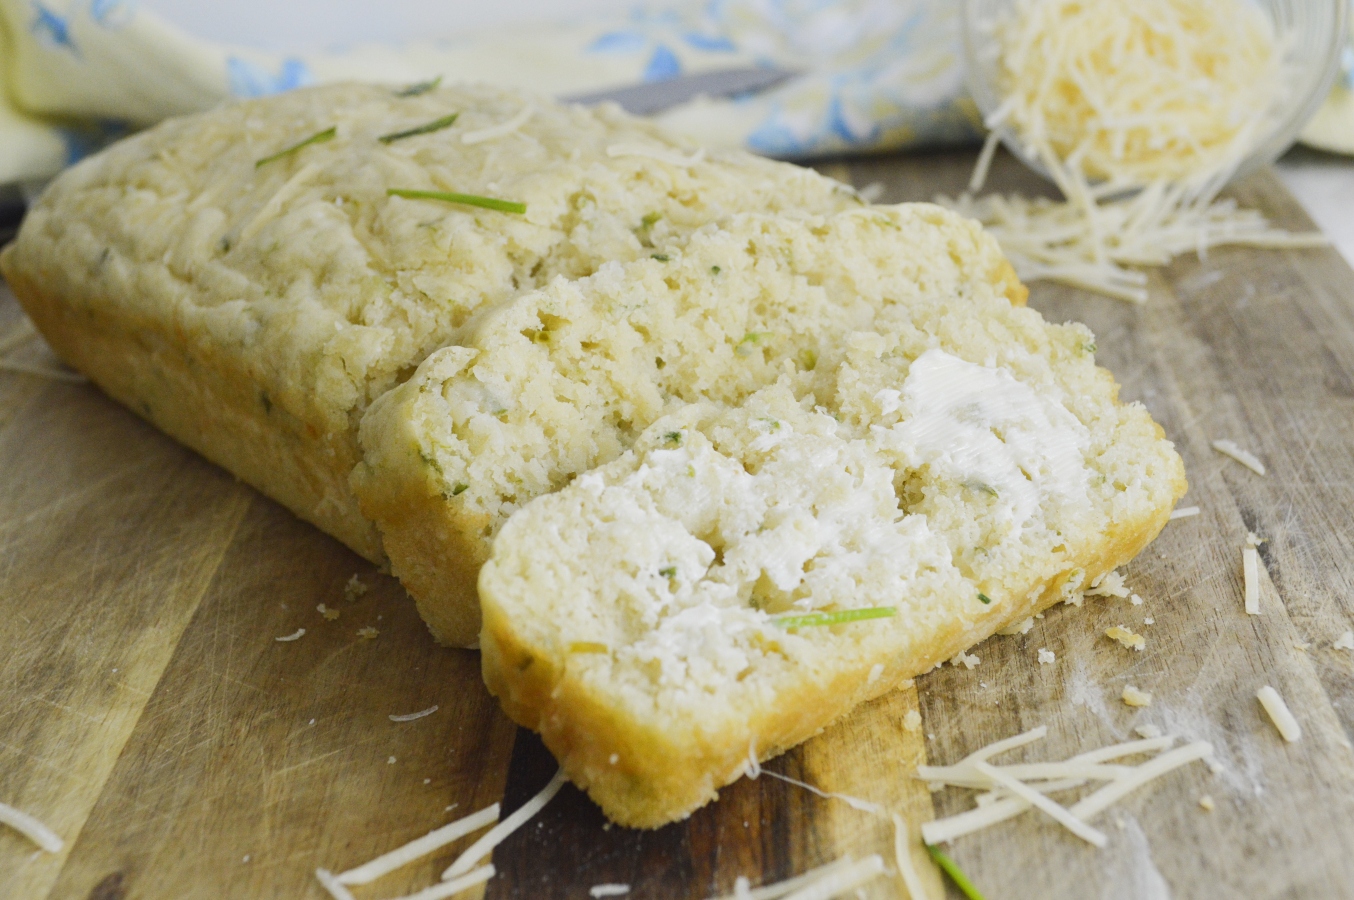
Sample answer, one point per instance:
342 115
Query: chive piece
511 206
714 270
434 125
808 359
956 874
459 488
668 571
673 438
983 597
588 647
650 220
839 617
661 257
419 87
318 138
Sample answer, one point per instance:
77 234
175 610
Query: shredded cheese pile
1164 98
835 878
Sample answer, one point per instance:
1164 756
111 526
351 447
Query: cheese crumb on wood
1134 697
1126 637
1279 714
967 660
354 589
330 614
1046 657
912 720
1250 570
1135 600
1185 512
1344 641
1148 731
1245 457
31 828
1206 803
368 633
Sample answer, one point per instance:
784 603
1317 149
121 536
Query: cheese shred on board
1279 714
31 828
1013 789
1140 113
821 883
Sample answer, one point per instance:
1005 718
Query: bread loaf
254 309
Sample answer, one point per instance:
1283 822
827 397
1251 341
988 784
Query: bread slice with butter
244 280
564 379
742 577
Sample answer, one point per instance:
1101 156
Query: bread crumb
912 720
1126 637
967 660
1134 697
1111 584
353 589
1046 657
390 761
368 633
1135 600
1206 803
1344 641
614 758
330 614
875 671
1148 620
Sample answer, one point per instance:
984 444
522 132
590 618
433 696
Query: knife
656 96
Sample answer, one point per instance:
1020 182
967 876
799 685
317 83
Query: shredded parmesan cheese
409 717
500 130
1185 512
454 886
329 614
1134 697
1245 457
1206 803
1279 714
1043 804
31 828
868 869
1126 637
481 848
353 589
1046 657
1250 570
1111 584
368 633
902 857
1164 96
853 802
742 891
608 890
662 154
332 885
1344 641
294 636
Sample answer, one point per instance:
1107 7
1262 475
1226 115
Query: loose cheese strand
31 828
481 848
420 847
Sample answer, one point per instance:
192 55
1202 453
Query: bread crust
206 400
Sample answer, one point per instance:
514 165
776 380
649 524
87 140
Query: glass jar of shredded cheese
1128 92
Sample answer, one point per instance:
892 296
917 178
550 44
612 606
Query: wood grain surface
148 714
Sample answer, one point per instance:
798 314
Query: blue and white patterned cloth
877 74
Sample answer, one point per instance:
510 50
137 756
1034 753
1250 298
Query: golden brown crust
204 400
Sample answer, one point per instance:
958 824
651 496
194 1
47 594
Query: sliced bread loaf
243 279
565 378
742 577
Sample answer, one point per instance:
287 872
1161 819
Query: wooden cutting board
148 714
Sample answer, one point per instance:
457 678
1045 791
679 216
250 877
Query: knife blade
656 96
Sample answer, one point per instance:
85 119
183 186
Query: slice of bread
971 468
565 378
253 309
